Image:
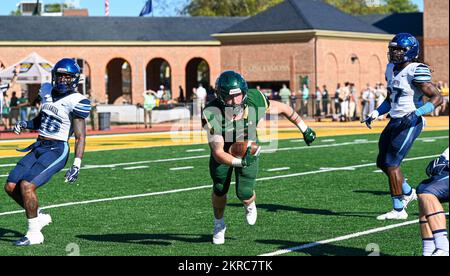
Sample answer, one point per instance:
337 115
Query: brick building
293 42
435 24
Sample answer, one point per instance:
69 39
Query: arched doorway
197 71
158 73
118 81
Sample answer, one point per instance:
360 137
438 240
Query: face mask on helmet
397 54
65 76
64 82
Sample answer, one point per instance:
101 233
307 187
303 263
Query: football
239 149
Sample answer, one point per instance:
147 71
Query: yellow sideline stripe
95 143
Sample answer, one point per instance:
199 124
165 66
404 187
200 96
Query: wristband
77 162
237 163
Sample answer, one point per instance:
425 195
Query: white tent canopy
33 70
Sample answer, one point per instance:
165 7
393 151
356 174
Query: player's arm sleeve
422 74
35 124
82 109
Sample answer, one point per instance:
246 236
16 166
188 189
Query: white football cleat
440 252
219 233
408 199
31 238
44 219
394 215
251 213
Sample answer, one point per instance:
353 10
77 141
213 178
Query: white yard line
208 186
207 156
328 140
181 168
136 168
279 169
342 238
195 150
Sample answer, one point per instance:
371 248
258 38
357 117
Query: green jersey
215 121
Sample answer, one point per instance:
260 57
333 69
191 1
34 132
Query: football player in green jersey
233 117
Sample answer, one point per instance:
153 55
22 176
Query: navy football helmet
437 166
403 48
66 75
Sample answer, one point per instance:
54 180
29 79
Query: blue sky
123 7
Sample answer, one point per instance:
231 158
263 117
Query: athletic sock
428 247
219 221
406 189
34 225
441 239
397 203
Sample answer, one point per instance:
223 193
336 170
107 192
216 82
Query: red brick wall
436 36
271 61
334 63
138 57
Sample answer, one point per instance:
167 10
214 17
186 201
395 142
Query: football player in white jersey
408 80
63 113
431 192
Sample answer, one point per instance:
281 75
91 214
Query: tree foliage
252 7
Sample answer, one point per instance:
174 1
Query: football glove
249 158
372 117
72 174
409 120
309 136
20 125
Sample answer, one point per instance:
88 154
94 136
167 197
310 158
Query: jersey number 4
50 124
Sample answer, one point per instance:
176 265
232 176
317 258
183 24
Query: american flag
106 7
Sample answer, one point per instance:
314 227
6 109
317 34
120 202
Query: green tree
401 6
55 7
228 7
252 7
359 7
15 13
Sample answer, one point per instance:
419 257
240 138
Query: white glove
372 117
20 125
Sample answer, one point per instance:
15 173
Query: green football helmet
228 84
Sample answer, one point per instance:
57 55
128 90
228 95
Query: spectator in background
181 96
305 99
201 96
285 93
325 100
13 109
318 101
160 93
5 110
337 100
23 106
368 101
345 97
445 97
93 113
352 102
149 105
4 104
380 94
293 100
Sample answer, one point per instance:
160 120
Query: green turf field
325 192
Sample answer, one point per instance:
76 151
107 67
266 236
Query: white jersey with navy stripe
57 115
403 93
